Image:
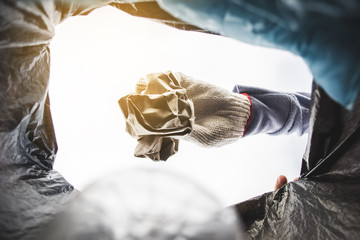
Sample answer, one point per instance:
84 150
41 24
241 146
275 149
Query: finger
280 181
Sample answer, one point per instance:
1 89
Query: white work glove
221 116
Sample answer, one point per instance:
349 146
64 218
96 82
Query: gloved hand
221 116
165 104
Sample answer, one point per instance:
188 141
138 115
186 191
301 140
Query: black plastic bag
323 204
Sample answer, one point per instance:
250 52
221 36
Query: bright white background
97 59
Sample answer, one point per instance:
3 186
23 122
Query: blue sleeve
276 112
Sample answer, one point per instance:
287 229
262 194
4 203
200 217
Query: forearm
276 112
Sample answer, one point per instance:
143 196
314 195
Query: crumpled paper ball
157 111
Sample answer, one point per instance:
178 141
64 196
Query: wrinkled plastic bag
154 114
324 204
325 33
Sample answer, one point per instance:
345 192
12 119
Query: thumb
280 181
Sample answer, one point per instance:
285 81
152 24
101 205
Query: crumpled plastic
324 204
157 114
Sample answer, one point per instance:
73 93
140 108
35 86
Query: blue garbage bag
324 33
